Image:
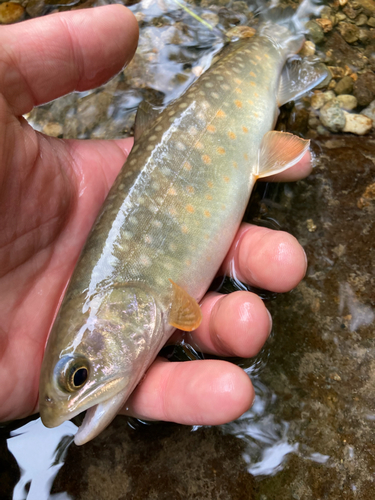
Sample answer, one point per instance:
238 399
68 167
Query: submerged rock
370 112
364 88
344 86
357 124
332 116
347 102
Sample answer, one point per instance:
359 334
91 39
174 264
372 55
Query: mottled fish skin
171 215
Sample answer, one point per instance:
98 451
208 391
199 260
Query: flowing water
310 434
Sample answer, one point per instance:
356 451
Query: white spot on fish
145 260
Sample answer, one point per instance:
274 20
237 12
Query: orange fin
279 151
185 312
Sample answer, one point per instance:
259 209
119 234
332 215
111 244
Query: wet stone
371 22
11 12
332 116
344 86
347 102
361 20
349 32
315 32
357 124
364 88
370 111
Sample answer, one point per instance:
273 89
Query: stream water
310 434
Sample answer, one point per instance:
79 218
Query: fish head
97 352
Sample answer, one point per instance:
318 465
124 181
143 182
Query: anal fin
279 151
185 313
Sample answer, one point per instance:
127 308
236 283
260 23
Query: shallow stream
310 434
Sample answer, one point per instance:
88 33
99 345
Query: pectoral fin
185 312
298 78
278 152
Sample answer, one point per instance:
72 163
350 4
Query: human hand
51 192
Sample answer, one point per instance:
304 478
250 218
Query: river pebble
315 31
364 88
371 22
332 116
357 124
344 86
349 32
347 102
319 99
11 12
370 112
362 20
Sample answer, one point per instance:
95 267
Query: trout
167 224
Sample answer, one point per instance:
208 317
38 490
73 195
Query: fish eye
72 373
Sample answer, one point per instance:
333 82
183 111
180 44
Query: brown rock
11 12
368 6
350 12
364 88
325 24
343 53
349 32
344 86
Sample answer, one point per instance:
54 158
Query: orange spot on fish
238 90
210 184
187 166
252 74
238 103
207 213
220 113
246 156
256 94
235 164
238 81
253 84
184 229
172 191
223 207
255 114
206 237
172 211
226 178
221 151
188 262
206 159
211 128
199 145
208 197
190 189
259 58
245 129
250 102
266 56
190 208
231 135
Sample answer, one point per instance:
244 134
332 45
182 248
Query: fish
167 224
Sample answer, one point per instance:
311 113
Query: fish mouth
98 417
100 411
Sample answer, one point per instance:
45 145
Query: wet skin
51 191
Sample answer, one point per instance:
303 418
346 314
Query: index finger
45 58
